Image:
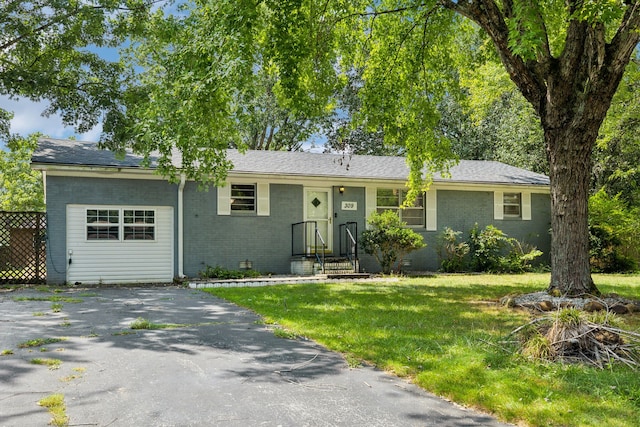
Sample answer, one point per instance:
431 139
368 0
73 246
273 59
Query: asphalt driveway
223 367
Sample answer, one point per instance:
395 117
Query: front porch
310 254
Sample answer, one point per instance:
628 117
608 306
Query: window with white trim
243 198
393 198
139 224
106 224
103 224
512 205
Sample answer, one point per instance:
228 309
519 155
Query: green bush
486 247
451 252
613 234
218 272
488 250
389 240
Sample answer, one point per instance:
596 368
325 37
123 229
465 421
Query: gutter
181 226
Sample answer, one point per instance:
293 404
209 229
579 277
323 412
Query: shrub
494 251
613 234
486 248
218 272
451 252
389 240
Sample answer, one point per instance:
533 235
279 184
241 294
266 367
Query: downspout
181 227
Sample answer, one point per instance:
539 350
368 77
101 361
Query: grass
57 408
448 335
53 364
142 323
39 342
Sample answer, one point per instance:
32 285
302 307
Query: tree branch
527 76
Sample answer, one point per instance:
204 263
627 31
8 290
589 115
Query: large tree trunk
569 153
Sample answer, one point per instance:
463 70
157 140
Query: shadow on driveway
223 367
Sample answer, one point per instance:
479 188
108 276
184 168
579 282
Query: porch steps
308 266
350 275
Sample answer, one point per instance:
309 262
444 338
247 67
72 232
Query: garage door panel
119 261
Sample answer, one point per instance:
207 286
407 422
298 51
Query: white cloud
27 119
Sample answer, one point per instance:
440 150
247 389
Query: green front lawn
449 336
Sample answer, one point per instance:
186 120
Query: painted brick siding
95 191
226 240
461 210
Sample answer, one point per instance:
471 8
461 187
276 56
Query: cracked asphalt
222 367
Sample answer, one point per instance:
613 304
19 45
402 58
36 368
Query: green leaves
21 188
527 35
48 49
389 240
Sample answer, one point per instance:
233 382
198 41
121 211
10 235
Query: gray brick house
112 221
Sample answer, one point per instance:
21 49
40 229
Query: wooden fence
23 247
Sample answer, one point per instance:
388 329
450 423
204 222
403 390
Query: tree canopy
49 50
21 188
565 57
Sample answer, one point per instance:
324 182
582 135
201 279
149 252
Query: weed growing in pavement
57 408
51 363
38 342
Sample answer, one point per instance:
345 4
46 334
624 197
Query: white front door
318 208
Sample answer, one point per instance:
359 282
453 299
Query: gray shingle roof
79 153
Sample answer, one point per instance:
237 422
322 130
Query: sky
28 119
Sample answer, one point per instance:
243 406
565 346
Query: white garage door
119 244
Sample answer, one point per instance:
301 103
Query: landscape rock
546 305
543 301
619 309
592 306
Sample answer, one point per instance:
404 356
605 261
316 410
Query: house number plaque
349 206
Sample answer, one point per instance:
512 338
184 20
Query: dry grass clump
573 336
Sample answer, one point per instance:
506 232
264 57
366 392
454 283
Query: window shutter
224 200
431 210
263 199
526 205
370 203
498 205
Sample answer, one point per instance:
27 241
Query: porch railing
349 242
306 240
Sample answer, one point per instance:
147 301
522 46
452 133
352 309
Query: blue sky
28 119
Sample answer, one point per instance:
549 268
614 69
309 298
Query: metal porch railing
306 240
349 243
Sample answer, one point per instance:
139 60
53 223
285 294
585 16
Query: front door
318 208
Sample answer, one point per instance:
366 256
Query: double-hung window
512 205
393 199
